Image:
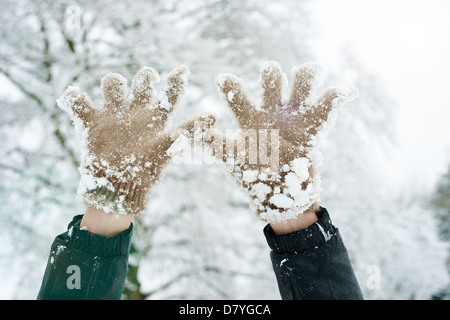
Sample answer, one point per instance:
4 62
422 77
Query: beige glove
286 183
125 148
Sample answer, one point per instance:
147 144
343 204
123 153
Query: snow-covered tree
440 204
198 239
440 201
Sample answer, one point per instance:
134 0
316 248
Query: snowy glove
124 146
280 167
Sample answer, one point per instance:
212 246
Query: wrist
302 221
106 224
112 196
305 239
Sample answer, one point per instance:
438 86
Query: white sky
407 44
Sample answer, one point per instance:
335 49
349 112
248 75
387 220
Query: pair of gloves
126 146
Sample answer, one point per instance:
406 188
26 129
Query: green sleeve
86 266
313 263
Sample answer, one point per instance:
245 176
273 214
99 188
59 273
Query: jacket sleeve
313 263
86 266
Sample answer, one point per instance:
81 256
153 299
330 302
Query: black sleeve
86 266
313 263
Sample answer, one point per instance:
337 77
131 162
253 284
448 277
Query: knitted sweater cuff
302 240
97 244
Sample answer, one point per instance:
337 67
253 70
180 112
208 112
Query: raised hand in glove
124 142
285 184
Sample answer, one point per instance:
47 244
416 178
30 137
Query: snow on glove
290 129
125 145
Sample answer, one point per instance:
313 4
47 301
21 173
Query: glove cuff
302 240
119 198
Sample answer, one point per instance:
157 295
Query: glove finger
174 88
142 87
273 80
220 146
315 117
304 78
169 97
77 104
232 90
190 127
184 133
333 98
114 87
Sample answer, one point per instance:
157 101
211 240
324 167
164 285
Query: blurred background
386 174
